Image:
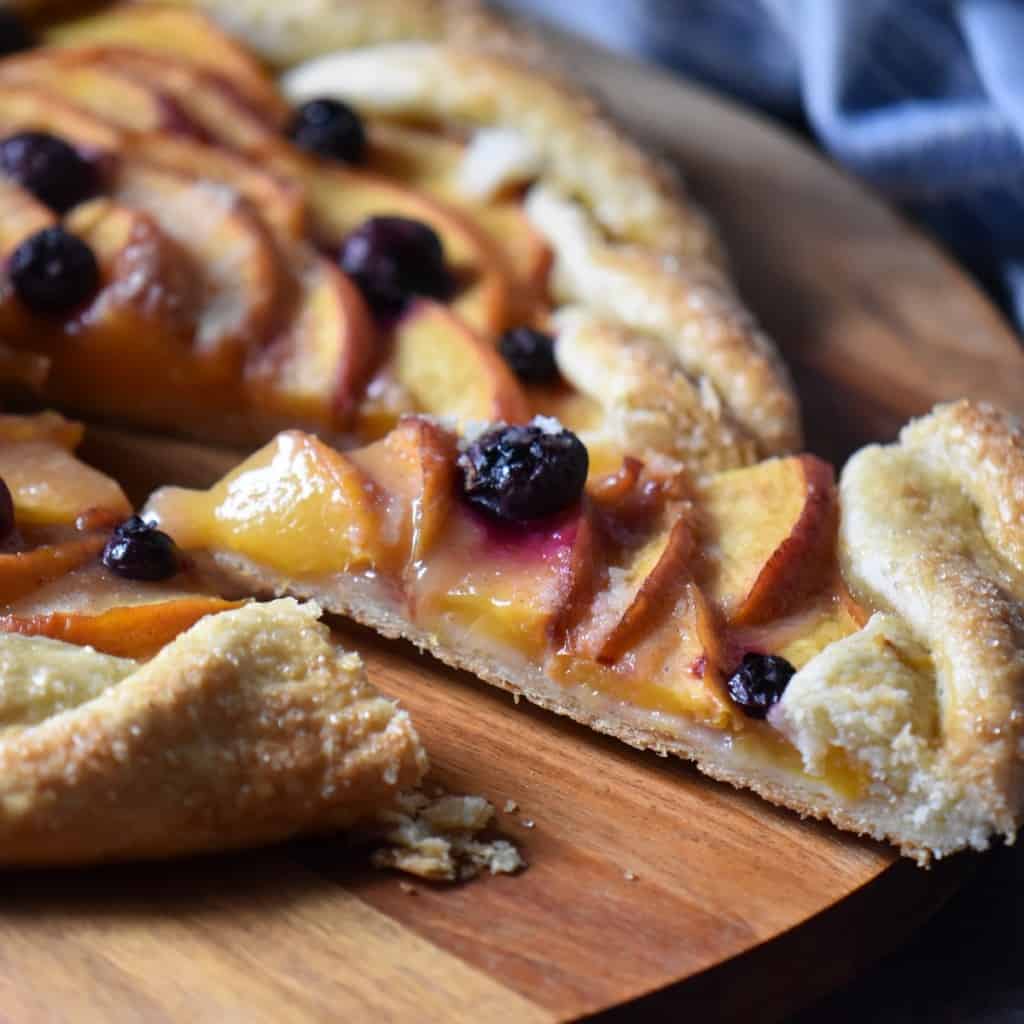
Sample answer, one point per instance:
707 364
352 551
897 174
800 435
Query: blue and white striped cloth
924 99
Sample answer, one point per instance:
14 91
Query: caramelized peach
50 486
316 369
133 631
25 571
414 468
21 215
638 592
771 533
24 107
113 97
512 584
186 35
296 506
451 371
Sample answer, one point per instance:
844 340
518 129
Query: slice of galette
141 716
853 653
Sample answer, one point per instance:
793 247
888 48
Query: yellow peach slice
245 283
771 532
316 369
280 203
111 96
133 631
21 215
43 426
451 371
638 592
28 107
25 571
414 469
515 585
183 34
208 100
296 506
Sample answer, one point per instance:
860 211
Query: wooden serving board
743 909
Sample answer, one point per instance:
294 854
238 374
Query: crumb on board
629 876
511 806
438 839
527 822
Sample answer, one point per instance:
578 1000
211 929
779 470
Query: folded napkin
924 99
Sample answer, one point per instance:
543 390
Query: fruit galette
527 424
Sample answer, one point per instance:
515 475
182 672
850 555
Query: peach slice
296 506
25 107
280 203
25 571
208 100
451 371
21 215
43 426
111 96
245 282
800 636
50 486
180 33
673 668
133 631
516 585
341 198
414 469
142 321
771 537
317 368
638 593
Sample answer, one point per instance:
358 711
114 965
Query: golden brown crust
249 728
931 531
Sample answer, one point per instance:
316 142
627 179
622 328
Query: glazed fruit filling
693 599
161 206
74 565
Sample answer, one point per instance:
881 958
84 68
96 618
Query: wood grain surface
745 910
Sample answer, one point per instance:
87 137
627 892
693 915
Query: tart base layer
773 775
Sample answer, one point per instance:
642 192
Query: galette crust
249 728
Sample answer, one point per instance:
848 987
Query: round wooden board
744 909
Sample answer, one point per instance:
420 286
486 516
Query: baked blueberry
329 128
53 271
53 171
392 259
759 683
530 353
6 512
14 36
524 473
137 550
